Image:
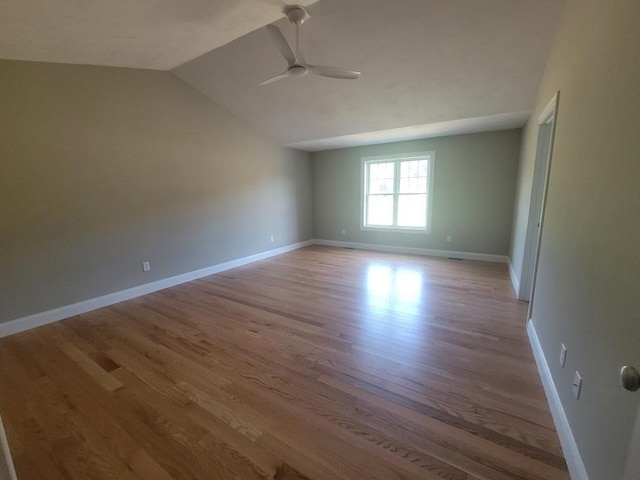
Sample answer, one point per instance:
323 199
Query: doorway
544 150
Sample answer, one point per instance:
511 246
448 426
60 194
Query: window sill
418 231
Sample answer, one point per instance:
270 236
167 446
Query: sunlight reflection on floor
394 300
394 291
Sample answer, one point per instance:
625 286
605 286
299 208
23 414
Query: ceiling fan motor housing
297 71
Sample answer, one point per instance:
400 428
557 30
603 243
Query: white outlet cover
577 385
146 266
449 238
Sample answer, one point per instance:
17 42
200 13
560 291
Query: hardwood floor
321 363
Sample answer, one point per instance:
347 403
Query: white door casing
544 152
632 469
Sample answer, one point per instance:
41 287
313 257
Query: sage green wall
587 286
103 168
522 204
474 186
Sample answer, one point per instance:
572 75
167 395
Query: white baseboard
7 472
50 316
514 279
577 470
415 251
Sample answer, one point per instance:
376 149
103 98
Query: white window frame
430 156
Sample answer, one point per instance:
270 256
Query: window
398 192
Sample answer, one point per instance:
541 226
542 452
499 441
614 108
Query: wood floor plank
318 364
103 378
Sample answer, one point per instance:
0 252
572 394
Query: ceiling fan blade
333 72
282 44
274 79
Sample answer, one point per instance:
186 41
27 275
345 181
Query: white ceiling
154 34
430 67
453 63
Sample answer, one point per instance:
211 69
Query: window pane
412 210
413 176
381 177
380 210
380 186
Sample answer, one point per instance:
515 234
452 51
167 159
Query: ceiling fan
297 65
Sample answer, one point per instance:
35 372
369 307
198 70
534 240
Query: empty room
329 240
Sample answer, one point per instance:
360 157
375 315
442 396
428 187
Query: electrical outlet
577 385
271 238
449 239
146 266
563 355
344 231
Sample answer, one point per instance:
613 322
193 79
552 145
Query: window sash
369 210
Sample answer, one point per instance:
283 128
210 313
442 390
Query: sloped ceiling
430 67
153 34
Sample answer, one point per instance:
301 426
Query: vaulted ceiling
430 67
157 34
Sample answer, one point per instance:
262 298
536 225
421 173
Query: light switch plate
577 385
563 355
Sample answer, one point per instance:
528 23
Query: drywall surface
586 293
474 187
104 168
